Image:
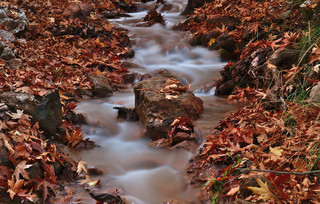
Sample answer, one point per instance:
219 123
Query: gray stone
13 25
46 109
7 54
284 58
315 94
3 13
7 36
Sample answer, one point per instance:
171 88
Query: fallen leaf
81 167
46 186
276 150
16 115
263 190
233 191
20 169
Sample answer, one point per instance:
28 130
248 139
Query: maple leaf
15 189
263 191
75 137
20 169
46 186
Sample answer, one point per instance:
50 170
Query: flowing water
144 174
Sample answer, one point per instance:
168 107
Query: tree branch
280 172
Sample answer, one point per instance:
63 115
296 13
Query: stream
144 174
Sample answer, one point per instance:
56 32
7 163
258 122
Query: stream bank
267 151
66 47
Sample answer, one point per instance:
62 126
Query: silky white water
144 174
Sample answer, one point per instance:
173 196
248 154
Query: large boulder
157 106
46 109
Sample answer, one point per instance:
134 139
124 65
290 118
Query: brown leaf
45 186
20 169
81 167
263 191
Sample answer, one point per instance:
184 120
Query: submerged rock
46 109
158 106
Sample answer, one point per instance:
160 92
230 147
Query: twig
280 172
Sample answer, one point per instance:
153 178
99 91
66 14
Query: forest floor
267 151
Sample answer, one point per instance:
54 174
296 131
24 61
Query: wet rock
186 145
208 36
13 20
105 197
94 171
153 17
46 109
78 10
192 4
225 42
129 78
158 110
4 155
85 92
129 114
284 58
101 86
2 46
7 54
114 14
182 136
7 36
225 88
315 94
129 54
